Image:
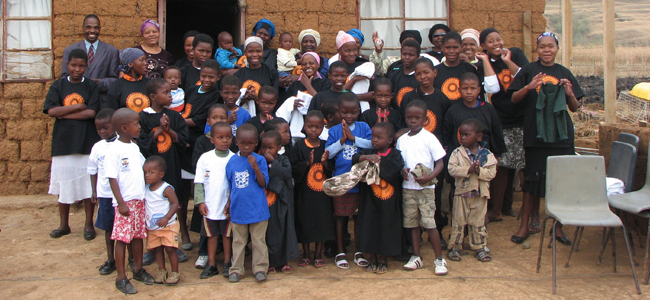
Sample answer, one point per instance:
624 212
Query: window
390 17
26 46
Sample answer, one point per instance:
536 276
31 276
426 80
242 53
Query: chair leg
646 259
629 254
602 250
582 229
573 246
541 243
554 258
613 237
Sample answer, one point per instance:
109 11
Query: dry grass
630 61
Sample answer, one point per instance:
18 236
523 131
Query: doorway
206 16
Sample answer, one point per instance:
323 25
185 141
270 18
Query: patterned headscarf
127 56
357 34
147 23
342 38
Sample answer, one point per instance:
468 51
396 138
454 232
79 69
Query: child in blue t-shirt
343 143
230 93
227 55
247 208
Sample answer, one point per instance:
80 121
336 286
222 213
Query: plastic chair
637 203
629 138
576 194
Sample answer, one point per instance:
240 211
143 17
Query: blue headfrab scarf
266 24
357 34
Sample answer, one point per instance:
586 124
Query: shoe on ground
182 257
414 263
57 233
160 276
143 277
441 266
173 278
125 286
226 269
187 246
107 268
234 277
89 235
148 259
201 262
260 276
209 271
131 265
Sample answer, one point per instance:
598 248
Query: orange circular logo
198 82
505 77
431 123
400 95
252 83
242 61
383 190
137 102
316 177
451 88
163 141
73 99
271 197
548 79
188 110
297 70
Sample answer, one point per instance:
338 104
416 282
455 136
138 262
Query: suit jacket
104 66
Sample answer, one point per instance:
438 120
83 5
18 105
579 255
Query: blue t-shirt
242 117
343 159
248 203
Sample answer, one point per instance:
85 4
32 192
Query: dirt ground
35 266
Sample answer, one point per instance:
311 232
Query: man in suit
103 59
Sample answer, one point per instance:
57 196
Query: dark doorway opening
206 16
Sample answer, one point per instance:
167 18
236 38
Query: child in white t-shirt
211 192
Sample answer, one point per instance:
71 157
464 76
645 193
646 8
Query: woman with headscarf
157 58
359 38
309 42
436 33
188 38
360 69
469 45
265 30
256 74
129 90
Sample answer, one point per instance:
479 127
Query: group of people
281 147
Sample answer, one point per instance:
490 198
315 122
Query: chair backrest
576 183
629 138
622 163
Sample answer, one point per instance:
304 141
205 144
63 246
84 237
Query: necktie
91 55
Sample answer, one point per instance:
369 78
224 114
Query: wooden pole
609 61
567 32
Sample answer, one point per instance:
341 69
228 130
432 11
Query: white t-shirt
124 162
422 148
156 206
96 167
211 171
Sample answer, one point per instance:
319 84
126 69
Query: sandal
382 268
319 263
271 271
341 263
372 267
482 255
286 269
453 254
304 262
360 261
534 228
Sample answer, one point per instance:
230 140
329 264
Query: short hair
153 85
285 33
413 44
315 114
220 125
91 16
230 80
223 34
158 161
348 97
426 61
78 53
382 81
273 124
105 114
171 68
122 116
390 129
452 35
338 65
268 90
210 64
475 124
273 134
469 76
217 106
419 104
247 127
329 107
202 38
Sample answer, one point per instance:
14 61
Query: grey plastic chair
629 138
576 194
637 203
622 163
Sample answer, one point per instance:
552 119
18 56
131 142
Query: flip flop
286 269
319 263
360 261
304 262
534 225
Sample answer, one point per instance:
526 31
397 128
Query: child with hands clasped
473 167
266 101
420 150
383 95
161 205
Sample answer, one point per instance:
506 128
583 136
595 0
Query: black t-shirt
370 117
448 79
437 104
323 97
402 83
357 62
128 93
484 112
190 76
73 136
181 63
554 74
511 115
196 108
258 78
317 83
436 54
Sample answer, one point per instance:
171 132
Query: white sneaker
441 266
415 262
201 262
